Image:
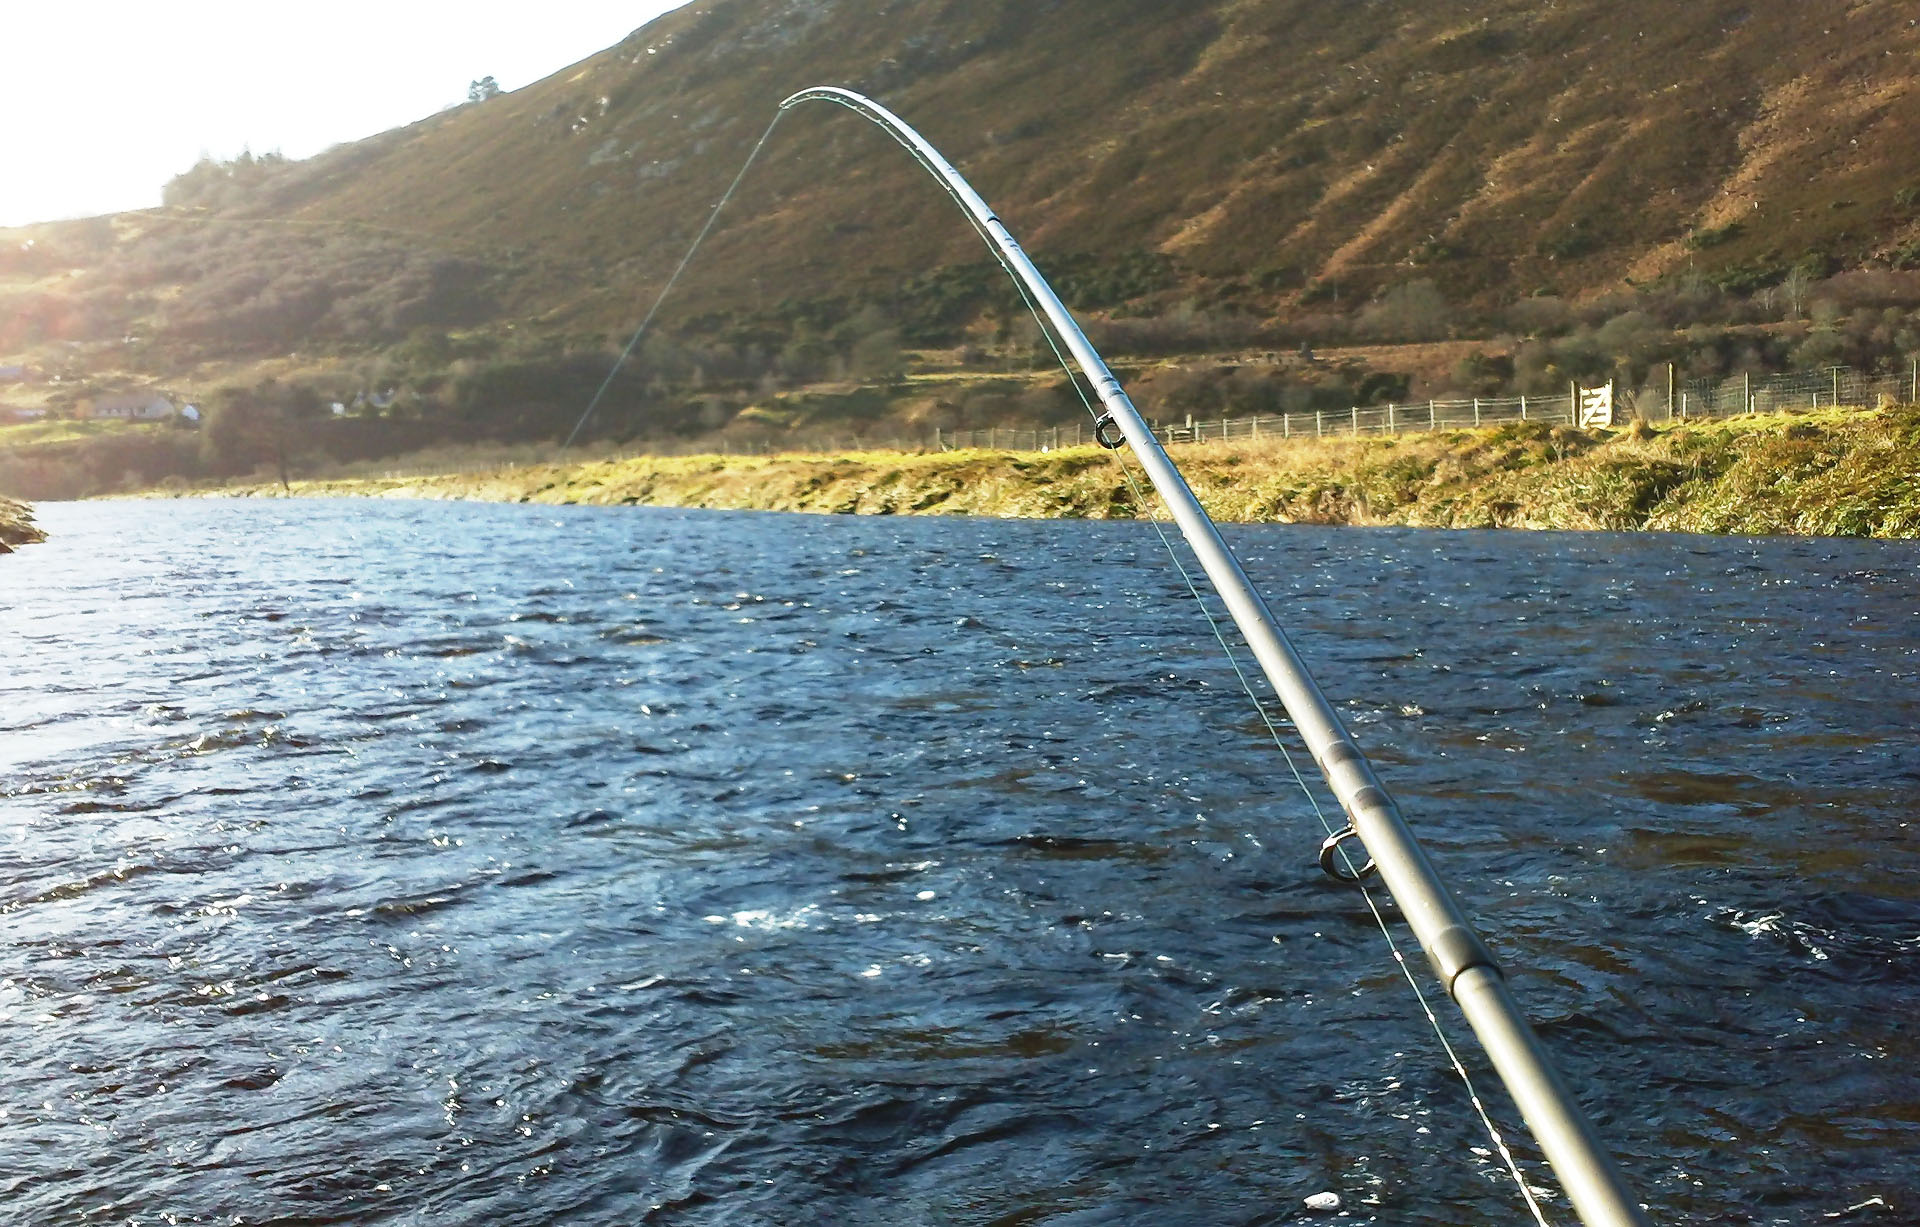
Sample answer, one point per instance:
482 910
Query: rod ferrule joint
1457 950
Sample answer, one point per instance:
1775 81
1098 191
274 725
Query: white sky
103 101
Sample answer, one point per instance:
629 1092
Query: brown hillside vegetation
1492 143
1198 177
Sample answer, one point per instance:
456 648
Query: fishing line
1373 907
712 217
1279 741
1233 660
1148 507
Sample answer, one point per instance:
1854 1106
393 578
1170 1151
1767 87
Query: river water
402 863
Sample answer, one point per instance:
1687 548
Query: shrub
1415 311
1545 315
1483 374
1570 243
1716 236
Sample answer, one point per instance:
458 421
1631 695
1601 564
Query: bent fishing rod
1461 960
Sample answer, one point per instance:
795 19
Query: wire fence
1836 387
1833 387
1462 414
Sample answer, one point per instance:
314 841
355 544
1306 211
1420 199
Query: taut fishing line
1279 741
1173 554
1246 685
713 216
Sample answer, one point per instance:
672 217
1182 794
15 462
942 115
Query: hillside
1241 172
1495 144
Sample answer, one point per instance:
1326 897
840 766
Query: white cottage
131 407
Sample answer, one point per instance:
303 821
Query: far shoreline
1835 473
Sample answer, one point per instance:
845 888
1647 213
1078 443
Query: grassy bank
16 526
1838 473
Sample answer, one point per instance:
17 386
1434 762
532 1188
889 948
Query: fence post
1476 411
938 446
1433 421
1356 421
1914 395
1523 406
1319 424
1390 417
1256 426
993 437
1746 392
1286 426
1836 387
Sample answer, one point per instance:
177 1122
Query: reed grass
1848 473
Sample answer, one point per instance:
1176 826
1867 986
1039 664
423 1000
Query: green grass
26 434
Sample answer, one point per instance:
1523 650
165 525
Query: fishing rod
1461 960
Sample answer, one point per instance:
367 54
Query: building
148 406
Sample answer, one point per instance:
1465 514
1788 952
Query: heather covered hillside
1501 146
1581 189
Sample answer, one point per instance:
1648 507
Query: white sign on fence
1596 406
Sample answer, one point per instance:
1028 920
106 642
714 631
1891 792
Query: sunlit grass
1842 473
20 434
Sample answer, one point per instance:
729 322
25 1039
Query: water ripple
406 864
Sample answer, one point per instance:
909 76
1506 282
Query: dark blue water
393 863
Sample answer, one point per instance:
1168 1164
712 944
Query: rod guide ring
1330 859
1112 443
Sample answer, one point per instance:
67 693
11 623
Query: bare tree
1796 287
